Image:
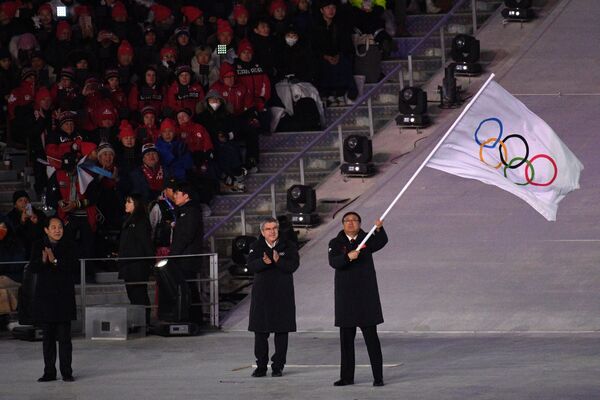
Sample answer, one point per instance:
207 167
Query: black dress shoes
277 373
259 373
378 382
68 378
343 382
47 378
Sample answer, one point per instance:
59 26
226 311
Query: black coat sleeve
255 260
290 261
377 240
338 259
185 231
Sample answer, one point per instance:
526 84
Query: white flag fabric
499 141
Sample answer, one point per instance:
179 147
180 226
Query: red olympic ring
547 157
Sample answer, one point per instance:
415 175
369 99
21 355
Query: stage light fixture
517 10
449 91
240 249
358 154
302 204
412 104
466 52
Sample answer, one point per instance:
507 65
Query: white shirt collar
351 238
274 244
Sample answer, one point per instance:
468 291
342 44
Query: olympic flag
499 141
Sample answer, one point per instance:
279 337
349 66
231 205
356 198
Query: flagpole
437 146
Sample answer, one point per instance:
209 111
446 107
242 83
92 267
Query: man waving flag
499 141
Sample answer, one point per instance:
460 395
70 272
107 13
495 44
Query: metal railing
213 280
366 97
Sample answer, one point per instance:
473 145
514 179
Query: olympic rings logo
514 162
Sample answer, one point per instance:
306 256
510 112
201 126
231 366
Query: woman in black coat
273 308
136 241
357 301
53 260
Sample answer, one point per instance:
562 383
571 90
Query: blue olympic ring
499 136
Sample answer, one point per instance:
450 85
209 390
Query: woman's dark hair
351 213
48 220
139 207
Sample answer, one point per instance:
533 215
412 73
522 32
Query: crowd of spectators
113 97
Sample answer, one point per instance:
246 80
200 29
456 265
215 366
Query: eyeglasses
350 220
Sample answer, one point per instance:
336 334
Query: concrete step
8 175
296 141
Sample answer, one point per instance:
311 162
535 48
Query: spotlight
517 11
358 153
302 204
449 92
465 52
240 248
412 104
173 292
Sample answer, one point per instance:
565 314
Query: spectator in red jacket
183 93
148 131
196 138
246 123
168 62
149 92
66 95
251 75
117 93
92 95
233 91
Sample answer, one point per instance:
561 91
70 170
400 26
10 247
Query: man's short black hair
351 213
185 187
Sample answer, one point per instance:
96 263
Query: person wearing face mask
296 58
218 121
54 261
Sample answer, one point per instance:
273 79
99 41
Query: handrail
357 103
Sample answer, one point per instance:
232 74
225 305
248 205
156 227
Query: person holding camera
54 261
273 260
357 301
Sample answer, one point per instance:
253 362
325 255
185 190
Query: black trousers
138 294
347 336
261 350
61 332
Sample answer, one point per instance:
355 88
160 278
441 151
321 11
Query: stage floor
218 366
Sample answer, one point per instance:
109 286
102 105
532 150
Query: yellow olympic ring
502 146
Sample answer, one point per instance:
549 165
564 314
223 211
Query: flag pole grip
437 146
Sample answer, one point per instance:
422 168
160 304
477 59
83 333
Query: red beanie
9 9
191 13
226 70
167 123
125 48
275 5
42 93
238 10
161 13
244 45
223 26
47 7
63 26
125 129
82 10
119 10
167 50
